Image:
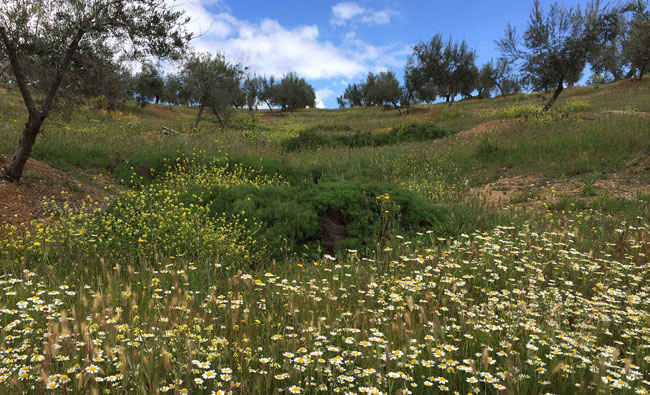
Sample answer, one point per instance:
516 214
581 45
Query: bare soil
642 114
22 203
510 190
487 127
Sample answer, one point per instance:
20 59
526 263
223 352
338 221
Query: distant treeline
553 51
211 82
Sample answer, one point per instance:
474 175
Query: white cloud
377 17
269 48
321 96
348 11
343 12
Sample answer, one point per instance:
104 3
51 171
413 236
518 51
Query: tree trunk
558 90
214 110
500 89
198 116
397 108
408 102
14 170
630 74
270 108
642 71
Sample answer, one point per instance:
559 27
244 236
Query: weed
589 188
525 196
575 105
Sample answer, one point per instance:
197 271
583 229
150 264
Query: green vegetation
221 249
493 245
314 138
330 216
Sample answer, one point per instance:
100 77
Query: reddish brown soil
23 202
625 184
487 127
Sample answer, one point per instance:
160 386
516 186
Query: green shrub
575 105
526 196
569 204
271 168
419 131
331 215
307 140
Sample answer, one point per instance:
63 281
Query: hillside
499 150
478 247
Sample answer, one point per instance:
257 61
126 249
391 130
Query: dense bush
331 215
314 138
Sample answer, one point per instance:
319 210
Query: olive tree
611 27
637 45
495 76
555 47
442 69
352 96
251 88
45 41
376 89
212 81
174 92
387 90
293 92
266 91
149 84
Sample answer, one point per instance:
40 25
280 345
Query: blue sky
333 43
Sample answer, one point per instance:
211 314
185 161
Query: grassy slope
96 140
595 133
552 149
556 303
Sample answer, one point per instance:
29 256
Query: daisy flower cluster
510 310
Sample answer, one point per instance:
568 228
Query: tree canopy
212 81
293 92
49 41
376 89
444 69
637 44
555 47
149 84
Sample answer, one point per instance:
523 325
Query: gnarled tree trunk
198 116
500 89
270 108
642 71
37 115
557 92
14 170
397 108
214 110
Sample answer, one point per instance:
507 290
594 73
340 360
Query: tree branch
60 72
18 72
